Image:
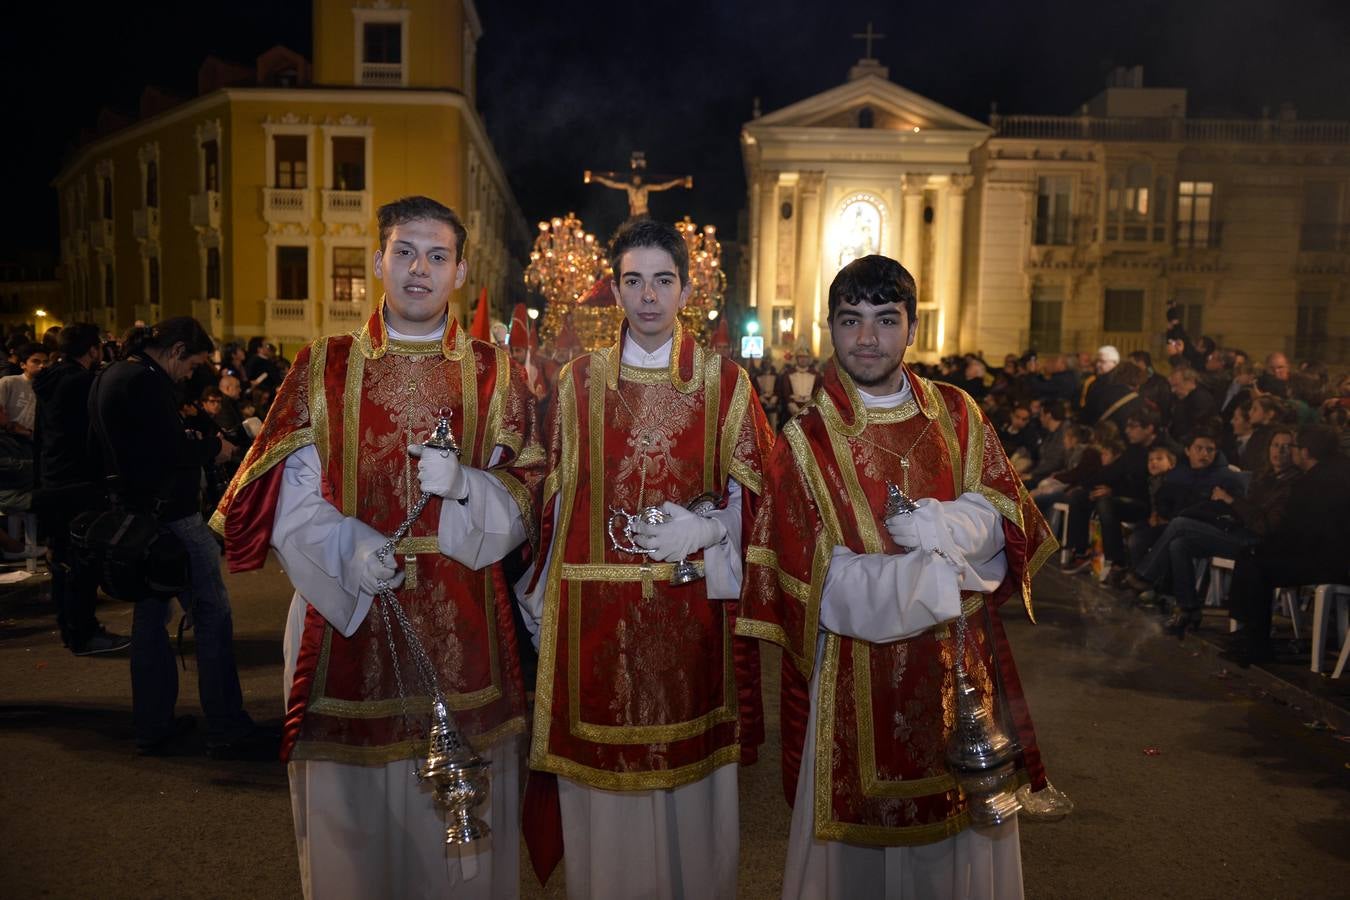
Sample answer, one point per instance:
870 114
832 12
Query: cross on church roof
869 35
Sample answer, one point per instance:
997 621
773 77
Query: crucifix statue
869 36
636 186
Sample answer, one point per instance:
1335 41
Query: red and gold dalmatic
637 685
360 400
885 711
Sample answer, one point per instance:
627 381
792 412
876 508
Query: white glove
681 535
373 572
439 473
904 529
923 528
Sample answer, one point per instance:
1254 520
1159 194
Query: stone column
807 302
911 225
949 263
766 254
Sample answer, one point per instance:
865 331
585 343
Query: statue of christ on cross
634 183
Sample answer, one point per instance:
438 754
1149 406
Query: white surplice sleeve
722 561
322 551
886 597
486 525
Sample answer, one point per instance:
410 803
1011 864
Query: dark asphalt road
1242 799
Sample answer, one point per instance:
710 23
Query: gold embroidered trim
492 434
468 404
662 779
764 631
300 437
621 571
318 400
351 423
833 420
731 428
522 497
891 415
412 348
889 836
640 375
746 476
948 430
533 455
863 516
387 753
712 409
696 370
417 545
596 434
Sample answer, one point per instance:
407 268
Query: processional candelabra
564 264
705 276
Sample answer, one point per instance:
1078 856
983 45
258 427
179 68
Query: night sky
583 86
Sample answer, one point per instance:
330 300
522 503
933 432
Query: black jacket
61 432
140 436
1316 521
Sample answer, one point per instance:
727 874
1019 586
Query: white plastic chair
1322 595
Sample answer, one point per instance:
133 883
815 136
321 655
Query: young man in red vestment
638 701
333 473
863 606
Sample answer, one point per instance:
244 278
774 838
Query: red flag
481 329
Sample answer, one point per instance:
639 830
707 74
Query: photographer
142 439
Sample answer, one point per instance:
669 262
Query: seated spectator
1018 439
1246 446
1094 389
1244 380
1054 381
1118 494
1052 454
1185 487
1081 460
1225 525
1310 545
1155 390
1195 407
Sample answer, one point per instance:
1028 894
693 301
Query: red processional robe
638 683
884 711
360 399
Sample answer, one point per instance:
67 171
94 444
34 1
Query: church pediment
869 102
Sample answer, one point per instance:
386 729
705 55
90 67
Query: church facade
1054 233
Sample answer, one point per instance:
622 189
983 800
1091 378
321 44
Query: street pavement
1190 778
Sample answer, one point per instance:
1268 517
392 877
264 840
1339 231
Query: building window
152 184
1128 202
213 273
106 195
1053 214
866 117
1123 311
1190 303
211 166
349 275
1047 319
925 335
349 163
291 154
383 43
1321 216
1195 209
152 279
292 273
109 286
1311 337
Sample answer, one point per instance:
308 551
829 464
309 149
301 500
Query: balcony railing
343 315
204 210
145 223
382 74
288 320
287 205
1101 128
1198 235
346 206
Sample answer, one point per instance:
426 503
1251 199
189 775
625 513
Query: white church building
1054 232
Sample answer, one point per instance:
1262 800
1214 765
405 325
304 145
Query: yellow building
252 207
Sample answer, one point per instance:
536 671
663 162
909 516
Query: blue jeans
1171 559
154 672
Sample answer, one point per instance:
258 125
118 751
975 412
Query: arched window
858 228
866 117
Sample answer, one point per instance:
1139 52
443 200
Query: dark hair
1130 374
1143 358
643 231
162 336
28 350
78 339
1058 409
1319 441
879 280
1115 445
1145 417
410 209
1202 433
212 393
